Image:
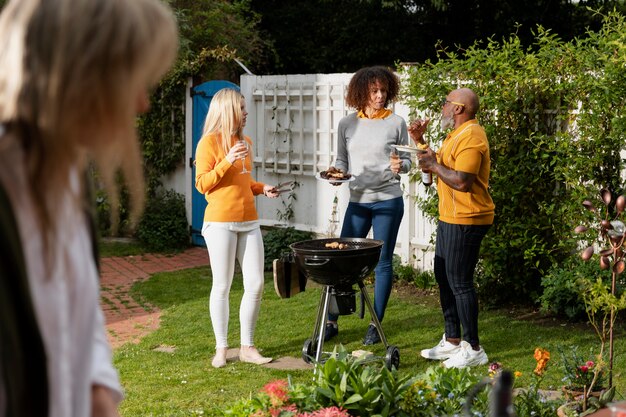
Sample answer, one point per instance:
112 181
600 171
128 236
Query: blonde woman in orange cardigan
231 228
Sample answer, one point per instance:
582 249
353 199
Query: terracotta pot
603 412
573 394
561 411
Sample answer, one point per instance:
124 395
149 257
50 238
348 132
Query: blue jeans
385 217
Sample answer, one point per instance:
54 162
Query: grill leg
320 324
320 314
368 303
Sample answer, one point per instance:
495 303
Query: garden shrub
442 392
103 212
344 385
562 287
164 226
555 124
406 273
277 240
362 387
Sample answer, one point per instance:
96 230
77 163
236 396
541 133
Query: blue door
201 95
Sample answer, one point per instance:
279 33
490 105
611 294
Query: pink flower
590 364
583 368
330 412
495 367
275 412
277 390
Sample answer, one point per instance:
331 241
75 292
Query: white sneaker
443 350
466 356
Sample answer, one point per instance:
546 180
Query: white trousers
225 243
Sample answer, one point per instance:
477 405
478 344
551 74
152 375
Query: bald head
467 97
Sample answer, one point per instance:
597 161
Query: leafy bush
103 213
277 241
406 273
362 387
442 391
345 386
164 226
562 287
555 134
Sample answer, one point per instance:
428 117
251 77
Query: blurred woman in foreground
74 75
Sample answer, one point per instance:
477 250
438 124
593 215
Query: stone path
126 320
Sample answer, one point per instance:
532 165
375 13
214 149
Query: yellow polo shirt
466 149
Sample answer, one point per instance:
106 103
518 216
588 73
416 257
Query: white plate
411 149
319 177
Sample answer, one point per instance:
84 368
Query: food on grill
336 245
333 173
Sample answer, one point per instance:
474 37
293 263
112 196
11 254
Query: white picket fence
293 122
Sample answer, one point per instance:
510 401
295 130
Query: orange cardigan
229 194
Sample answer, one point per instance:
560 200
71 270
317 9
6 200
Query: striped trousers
456 254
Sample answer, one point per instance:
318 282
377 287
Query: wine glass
394 155
243 159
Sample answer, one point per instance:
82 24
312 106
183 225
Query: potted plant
582 376
602 302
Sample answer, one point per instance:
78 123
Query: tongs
284 187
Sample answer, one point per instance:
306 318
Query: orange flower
541 354
542 357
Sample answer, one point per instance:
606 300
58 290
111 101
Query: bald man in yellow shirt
466 212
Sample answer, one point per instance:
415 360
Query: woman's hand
395 163
102 402
270 191
237 151
417 128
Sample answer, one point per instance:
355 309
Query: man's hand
457 180
417 128
427 159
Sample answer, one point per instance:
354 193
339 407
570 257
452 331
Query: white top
66 297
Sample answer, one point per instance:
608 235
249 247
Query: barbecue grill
338 270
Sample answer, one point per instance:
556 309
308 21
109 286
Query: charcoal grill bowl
337 267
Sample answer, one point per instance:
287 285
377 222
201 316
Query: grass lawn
183 383
108 247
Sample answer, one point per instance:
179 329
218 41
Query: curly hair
359 88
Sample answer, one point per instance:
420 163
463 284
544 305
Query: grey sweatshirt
363 150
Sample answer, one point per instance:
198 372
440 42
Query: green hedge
276 241
164 226
554 117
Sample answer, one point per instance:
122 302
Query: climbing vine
162 129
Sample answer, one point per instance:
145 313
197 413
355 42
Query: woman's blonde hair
225 118
71 75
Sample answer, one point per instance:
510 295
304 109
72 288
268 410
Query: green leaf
354 398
